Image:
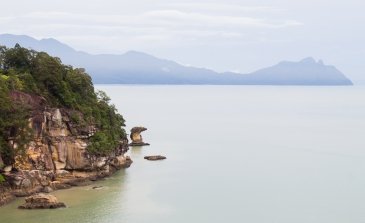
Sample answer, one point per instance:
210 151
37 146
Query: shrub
2 179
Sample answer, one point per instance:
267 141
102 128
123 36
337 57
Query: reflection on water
136 150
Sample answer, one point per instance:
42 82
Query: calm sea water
255 154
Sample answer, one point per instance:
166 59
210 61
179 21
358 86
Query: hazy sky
224 35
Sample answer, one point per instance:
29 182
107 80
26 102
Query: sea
256 154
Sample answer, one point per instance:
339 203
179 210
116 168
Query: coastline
63 180
57 157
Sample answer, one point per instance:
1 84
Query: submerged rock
41 201
156 157
136 137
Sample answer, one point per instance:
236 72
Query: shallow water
234 153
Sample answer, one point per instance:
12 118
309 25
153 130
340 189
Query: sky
223 35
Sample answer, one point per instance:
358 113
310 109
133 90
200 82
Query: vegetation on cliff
58 85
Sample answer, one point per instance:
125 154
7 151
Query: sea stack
136 137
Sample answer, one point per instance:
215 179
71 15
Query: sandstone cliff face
57 157
58 145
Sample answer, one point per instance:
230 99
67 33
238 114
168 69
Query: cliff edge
55 130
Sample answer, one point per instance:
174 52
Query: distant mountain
140 68
304 72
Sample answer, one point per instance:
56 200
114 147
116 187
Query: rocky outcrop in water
156 157
57 156
41 201
136 137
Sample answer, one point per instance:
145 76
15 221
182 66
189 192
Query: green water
253 154
116 201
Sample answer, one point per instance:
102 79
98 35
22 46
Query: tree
18 58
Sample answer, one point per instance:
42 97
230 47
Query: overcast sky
224 35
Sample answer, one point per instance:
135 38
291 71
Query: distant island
140 68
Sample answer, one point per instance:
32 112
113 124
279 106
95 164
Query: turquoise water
253 154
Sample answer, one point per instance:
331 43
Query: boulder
8 168
156 157
41 201
122 162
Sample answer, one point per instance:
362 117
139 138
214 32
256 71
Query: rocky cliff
56 157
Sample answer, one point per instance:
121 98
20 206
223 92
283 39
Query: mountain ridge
135 67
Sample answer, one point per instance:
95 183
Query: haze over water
234 153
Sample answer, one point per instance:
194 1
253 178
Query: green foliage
2 179
13 121
17 57
110 122
37 73
75 118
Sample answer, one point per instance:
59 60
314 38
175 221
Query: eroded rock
42 201
136 136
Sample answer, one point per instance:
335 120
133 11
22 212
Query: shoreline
63 180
